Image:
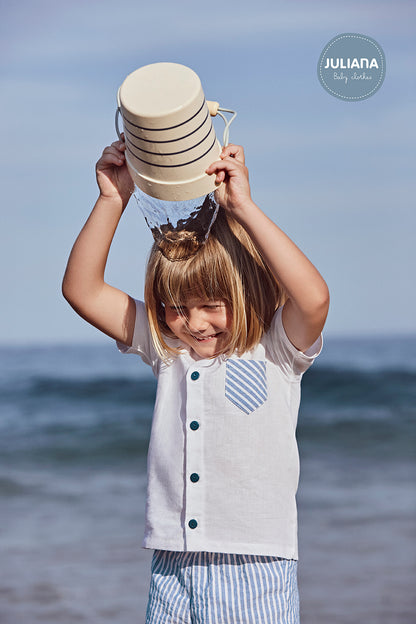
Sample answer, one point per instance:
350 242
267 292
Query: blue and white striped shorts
220 588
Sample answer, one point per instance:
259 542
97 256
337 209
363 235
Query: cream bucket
169 135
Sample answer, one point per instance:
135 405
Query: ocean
74 428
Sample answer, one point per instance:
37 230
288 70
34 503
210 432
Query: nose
196 320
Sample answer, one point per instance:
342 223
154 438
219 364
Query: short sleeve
142 343
284 353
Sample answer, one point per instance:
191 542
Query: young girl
228 332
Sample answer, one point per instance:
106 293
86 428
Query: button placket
194 452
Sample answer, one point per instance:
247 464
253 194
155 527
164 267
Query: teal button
192 524
194 477
195 376
194 425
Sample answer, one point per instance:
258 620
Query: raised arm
107 308
306 308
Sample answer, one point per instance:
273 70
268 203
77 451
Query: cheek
173 321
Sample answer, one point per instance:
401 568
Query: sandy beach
73 484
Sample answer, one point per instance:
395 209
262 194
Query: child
228 332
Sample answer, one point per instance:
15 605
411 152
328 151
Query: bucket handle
118 113
214 109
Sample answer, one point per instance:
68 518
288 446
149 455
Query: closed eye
214 306
177 309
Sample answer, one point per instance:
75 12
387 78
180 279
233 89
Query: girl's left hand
232 176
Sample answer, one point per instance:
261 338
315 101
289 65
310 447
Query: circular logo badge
352 67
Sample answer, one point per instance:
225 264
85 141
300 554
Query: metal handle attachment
214 109
118 113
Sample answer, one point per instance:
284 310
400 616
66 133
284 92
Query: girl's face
203 325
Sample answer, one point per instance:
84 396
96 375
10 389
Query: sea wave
328 385
93 389
46 418
340 387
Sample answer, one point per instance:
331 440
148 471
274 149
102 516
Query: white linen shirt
219 479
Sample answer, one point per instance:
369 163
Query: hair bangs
201 276
229 267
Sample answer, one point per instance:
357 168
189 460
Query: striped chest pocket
246 384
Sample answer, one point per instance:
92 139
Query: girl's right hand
113 177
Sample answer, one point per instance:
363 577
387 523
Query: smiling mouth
205 338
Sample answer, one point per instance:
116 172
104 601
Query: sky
338 177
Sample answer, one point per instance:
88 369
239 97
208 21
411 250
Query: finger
220 177
114 149
111 156
109 160
120 145
233 151
229 166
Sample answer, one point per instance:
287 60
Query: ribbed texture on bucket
170 139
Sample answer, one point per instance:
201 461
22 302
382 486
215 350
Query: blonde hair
227 266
